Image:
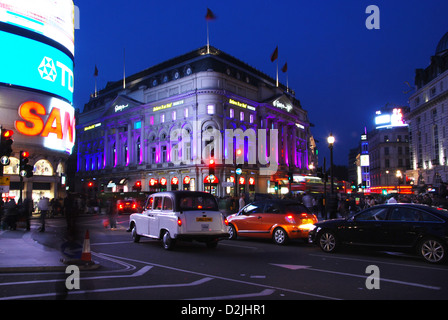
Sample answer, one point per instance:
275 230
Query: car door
247 220
154 216
406 224
142 220
367 227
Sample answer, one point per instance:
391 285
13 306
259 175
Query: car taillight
225 221
290 218
120 206
179 222
134 206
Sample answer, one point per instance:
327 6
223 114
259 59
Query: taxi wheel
135 236
168 243
280 237
232 232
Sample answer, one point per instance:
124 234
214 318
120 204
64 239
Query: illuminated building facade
161 127
389 152
36 93
428 120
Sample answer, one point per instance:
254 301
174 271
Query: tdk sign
32 64
47 71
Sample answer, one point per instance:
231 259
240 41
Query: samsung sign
28 63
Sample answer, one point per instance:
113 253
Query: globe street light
330 141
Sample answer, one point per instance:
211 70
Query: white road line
227 279
52 294
379 262
138 273
265 292
381 279
299 267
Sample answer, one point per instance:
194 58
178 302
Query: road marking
378 261
413 284
291 266
265 292
156 286
227 279
138 273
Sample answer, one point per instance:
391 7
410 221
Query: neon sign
57 126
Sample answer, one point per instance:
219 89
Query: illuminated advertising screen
394 119
51 123
32 64
51 18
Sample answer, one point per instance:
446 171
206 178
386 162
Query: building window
151 120
163 149
232 113
153 155
241 116
251 118
186 112
210 109
173 115
162 118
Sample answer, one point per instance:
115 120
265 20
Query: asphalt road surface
256 271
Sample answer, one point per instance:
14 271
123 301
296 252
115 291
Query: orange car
277 219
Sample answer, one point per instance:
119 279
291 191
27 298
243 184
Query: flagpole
96 92
124 68
277 74
208 40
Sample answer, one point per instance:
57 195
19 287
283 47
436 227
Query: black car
397 227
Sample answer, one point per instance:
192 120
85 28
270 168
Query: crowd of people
338 205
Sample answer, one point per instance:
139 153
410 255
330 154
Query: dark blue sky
341 71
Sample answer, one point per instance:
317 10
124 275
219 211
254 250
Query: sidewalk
19 252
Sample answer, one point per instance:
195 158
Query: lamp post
330 141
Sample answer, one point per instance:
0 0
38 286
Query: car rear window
295 208
195 202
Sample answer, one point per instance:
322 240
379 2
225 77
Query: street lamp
399 176
330 141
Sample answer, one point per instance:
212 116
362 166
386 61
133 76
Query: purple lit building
161 127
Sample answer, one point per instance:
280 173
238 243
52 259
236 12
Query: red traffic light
25 154
212 161
138 184
90 184
7 134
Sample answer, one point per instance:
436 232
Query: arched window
43 168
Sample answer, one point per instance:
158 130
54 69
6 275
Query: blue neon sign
32 64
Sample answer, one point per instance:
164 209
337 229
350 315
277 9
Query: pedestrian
112 212
43 206
11 212
307 200
241 202
392 200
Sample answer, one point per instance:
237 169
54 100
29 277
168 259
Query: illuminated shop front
36 93
162 126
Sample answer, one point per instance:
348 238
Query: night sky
340 71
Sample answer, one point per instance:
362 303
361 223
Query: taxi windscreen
195 202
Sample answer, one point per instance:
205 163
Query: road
243 269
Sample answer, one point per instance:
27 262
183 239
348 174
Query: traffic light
290 176
211 167
6 142
276 186
137 185
26 170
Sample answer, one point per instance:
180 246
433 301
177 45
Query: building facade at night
428 120
161 127
36 94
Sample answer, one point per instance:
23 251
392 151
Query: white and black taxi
180 215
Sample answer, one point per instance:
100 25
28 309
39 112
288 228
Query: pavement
34 251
